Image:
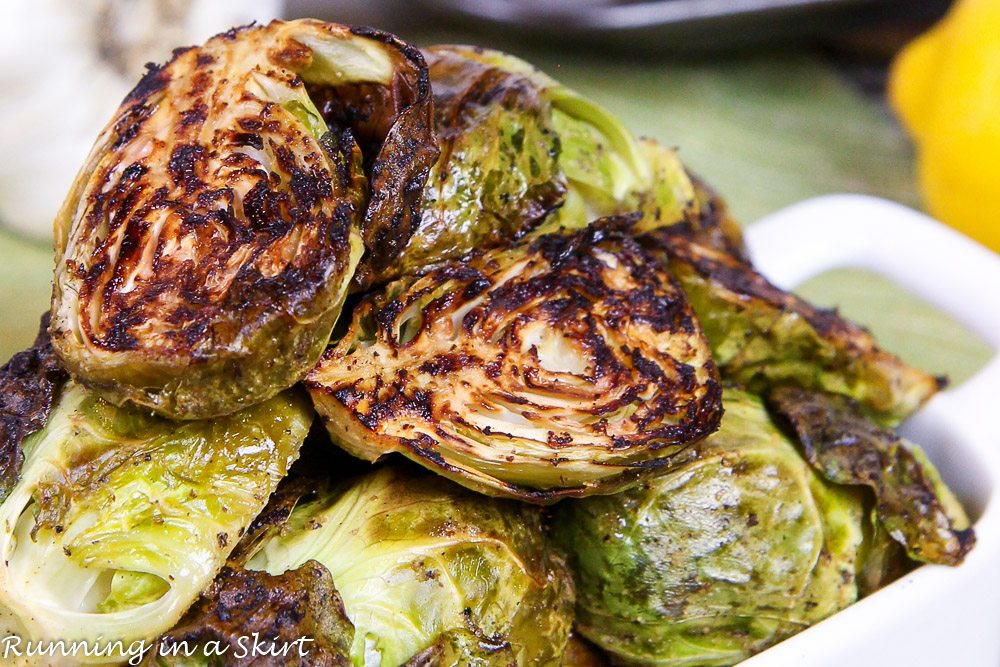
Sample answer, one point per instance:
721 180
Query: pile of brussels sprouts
584 429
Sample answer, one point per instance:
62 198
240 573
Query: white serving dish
936 616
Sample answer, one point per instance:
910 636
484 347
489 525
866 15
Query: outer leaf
207 245
429 571
913 504
28 385
120 519
394 122
732 550
762 336
564 366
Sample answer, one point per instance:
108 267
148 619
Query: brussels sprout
515 146
207 245
120 519
913 504
762 336
564 366
430 573
28 385
296 618
608 171
498 172
735 548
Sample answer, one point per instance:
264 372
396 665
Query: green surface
766 131
25 288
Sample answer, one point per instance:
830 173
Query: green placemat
902 322
765 131
25 288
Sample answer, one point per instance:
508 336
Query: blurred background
771 101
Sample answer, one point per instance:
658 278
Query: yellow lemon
945 86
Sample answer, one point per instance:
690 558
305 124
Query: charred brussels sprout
762 336
498 172
297 617
607 170
913 504
736 548
120 519
564 366
207 245
430 574
520 152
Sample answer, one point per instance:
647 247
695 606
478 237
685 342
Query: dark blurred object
630 26
668 25
863 52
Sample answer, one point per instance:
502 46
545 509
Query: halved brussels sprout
430 573
912 502
120 519
762 336
29 382
207 245
565 366
515 144
734 549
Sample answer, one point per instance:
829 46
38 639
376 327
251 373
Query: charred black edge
422 153
409 51
29 383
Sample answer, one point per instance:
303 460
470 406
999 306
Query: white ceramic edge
935 616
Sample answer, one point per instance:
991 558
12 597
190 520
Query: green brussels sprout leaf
762 336
912 502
